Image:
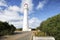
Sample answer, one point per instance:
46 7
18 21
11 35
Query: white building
25 20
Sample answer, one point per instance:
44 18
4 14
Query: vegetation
40 33
19 29
6 29
33 29
51 27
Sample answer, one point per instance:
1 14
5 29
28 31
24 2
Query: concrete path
18 36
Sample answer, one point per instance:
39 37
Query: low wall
43 38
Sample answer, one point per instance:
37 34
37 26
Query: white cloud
17 24
3 3
34 22
21 8
41 4
14 8
12 16
30 5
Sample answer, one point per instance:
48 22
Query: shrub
6 29
51 26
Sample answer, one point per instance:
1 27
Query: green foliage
39 33
6 29
33 29
19 29
51 26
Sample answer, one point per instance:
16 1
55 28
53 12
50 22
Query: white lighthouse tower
25 20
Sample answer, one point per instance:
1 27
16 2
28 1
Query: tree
51 26
6 29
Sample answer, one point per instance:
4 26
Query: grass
39 33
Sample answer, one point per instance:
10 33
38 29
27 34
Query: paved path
18 36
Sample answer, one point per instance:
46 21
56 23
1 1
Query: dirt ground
15 36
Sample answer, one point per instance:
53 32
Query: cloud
17 24
14 8
41 4
30 5
14 18
34 22
11 15
21 8
3 3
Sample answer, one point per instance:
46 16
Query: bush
40 34
6 29
51 26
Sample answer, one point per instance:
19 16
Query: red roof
26 4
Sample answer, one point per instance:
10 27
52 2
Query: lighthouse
25 19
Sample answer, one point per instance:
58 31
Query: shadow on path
12 35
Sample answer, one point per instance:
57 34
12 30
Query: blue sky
39 10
